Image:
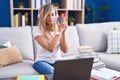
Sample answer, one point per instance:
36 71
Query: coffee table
14 78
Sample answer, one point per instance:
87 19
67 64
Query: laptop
74 69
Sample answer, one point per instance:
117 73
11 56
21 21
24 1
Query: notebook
31 77
74 69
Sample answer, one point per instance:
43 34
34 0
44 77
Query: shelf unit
32 13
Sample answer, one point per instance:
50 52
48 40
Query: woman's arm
63 42
50 46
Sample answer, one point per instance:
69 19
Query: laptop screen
75 69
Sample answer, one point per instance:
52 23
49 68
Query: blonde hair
42 15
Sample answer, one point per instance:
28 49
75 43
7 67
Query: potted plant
71 20
56 5
92 14
21 4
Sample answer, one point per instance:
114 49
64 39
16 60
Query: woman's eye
52 14
48 15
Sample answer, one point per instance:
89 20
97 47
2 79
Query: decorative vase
57 7
21 6
71 23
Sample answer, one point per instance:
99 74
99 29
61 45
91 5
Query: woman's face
51 17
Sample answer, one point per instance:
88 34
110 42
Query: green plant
93 15
71 19
20 3
56 4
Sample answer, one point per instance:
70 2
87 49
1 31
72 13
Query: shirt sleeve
36 31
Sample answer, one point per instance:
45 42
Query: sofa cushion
21 37
16 69
95 34
9 56
111 60
35 44
113 37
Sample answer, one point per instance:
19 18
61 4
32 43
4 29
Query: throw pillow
6 45
9 56
113 37
2 46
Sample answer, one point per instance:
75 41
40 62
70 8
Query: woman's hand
63 24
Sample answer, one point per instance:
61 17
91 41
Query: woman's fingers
63 24
63 19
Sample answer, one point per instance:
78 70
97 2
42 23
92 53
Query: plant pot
71 23
57 7
21 6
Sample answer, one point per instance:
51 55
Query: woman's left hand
63 24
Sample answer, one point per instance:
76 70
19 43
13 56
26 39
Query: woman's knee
43 67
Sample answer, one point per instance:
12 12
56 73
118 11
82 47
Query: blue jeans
43 67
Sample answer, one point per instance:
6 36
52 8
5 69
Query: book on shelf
20 20
36 4
105 74
69 4
73 4
79 6
31 77
15 20
26 18
23 20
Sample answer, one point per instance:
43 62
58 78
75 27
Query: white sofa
22 37
96 35
81 34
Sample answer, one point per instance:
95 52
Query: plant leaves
102 8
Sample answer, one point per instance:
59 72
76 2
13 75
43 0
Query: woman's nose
50 16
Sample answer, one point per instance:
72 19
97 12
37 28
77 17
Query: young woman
50 38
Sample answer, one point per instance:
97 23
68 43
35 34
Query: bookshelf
28 14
